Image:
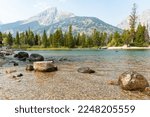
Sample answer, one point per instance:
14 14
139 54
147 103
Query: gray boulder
44 66
132 81
22 56
36 57
85 70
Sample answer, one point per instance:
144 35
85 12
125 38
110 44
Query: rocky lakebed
25 76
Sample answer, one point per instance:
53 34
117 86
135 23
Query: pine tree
146 34
56 39
126 37
116 40
10 39
44 40
30 38
140 36
22 38
70 40
50 39
96 38
89 42
65 39
36 40
83 38
17 40
132 23
77 42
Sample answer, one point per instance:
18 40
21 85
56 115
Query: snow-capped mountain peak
49 16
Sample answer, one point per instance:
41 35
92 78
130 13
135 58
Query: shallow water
67 83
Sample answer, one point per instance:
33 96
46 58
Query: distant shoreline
103 48
128 48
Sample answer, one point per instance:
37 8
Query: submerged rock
22 56
36 57
44 66
85 70
14 63
29 67
132 80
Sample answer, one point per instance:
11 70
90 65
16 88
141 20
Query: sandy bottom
67 83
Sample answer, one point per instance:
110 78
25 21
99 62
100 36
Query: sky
110 11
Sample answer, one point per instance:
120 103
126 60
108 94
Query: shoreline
128 48
103 48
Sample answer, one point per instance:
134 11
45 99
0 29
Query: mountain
143 18
49 16
52 19
80 25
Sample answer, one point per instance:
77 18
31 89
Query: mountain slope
81 24
143 18
52 19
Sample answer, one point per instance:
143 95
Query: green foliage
17 39
70 41
44 40
140 36
132 23
57 39
9 39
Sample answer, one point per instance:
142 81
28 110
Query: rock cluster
23 56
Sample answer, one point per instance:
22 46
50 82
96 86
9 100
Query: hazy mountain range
143 18
52 19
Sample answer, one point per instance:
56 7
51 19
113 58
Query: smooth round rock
132 80
21 55
36 57
85 70
44 66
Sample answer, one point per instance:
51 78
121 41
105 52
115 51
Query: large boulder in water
85 70
132 81
22 55
36 57
44 66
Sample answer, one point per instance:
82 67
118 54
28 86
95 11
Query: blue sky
110 11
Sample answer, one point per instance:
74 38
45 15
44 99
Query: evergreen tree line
56 40
59 39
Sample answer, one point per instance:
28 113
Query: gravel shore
67 83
